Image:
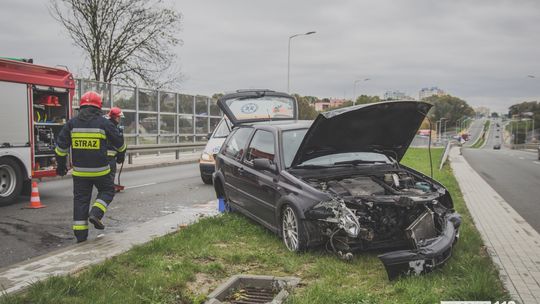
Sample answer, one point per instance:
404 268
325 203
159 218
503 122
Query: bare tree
125 40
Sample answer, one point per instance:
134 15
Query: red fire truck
36 101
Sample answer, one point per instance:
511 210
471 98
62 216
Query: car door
259 186
231 155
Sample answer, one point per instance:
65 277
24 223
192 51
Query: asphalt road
151 193
515 175
475 130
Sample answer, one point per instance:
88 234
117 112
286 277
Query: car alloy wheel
289 224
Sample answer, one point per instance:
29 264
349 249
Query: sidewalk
74 258
512 243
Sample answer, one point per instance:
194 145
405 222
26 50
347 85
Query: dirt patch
203 284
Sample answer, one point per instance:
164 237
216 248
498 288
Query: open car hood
247 106
384 127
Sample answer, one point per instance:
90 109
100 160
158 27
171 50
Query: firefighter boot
97 212
96 221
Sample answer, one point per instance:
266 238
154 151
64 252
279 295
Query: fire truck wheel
11 180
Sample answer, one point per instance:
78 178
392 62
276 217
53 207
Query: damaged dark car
336 181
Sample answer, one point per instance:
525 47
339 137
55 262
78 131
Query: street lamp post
463 123
289 58
445 121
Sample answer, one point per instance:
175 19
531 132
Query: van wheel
11 181
206 179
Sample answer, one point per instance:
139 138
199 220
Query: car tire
293 232
11 181
206 179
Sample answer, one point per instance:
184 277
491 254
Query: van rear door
258 105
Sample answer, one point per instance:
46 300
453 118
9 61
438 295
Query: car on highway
496 146
336 181
538 152
216 138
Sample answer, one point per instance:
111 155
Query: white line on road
536 162
522 158
143 185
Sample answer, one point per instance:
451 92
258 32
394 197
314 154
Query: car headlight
207 157
349 223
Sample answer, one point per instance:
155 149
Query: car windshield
293 138
291 141
350 158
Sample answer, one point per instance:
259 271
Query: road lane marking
536 162
522 158
143 185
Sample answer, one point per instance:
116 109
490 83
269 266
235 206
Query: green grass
480 142
183 267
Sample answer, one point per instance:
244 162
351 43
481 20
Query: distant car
497 146
336 180
496 136
538 152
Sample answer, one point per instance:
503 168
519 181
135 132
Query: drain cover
249 295
253 289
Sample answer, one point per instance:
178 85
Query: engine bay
389 209
388 183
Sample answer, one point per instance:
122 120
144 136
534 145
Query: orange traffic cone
35 201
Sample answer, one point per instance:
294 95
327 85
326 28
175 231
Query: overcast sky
480 51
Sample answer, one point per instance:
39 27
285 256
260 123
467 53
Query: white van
207 164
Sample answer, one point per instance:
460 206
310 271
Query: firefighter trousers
82 195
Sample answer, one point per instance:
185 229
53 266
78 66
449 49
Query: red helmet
115 112
91 98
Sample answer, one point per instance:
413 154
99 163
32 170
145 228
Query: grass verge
183 267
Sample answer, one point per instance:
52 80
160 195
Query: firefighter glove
120 157
61 168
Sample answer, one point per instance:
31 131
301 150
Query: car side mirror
264 164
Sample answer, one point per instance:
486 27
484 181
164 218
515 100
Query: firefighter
115 157
88 135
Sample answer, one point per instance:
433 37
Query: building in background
327 104
396 95
482 111
427 92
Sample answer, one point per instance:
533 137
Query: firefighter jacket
88 135
111 150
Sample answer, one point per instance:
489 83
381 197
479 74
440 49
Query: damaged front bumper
431 254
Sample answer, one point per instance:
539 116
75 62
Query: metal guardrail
131 150
523 146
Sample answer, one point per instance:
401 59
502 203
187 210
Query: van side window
261 146
234 148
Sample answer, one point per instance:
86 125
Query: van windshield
222 129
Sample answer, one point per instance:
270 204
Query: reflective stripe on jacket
88 136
